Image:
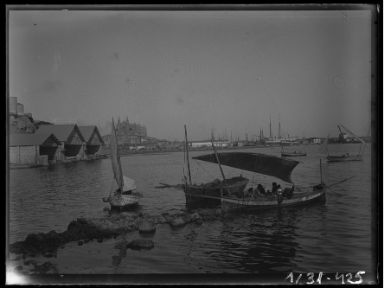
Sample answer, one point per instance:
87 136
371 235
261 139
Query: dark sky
221 70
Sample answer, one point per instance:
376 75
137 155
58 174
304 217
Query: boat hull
293 154
318 195
344 158
209 194
123 202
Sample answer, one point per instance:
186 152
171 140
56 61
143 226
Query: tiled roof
61 132
28 139
87 132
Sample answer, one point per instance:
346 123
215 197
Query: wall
12 104
24 155
20 109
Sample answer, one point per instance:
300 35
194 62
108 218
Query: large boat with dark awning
254 199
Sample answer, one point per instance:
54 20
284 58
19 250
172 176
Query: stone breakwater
87 229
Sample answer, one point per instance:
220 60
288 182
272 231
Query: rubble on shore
83 230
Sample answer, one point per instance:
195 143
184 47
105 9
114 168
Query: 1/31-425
310 278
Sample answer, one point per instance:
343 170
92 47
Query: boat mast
361 140
186 149
321 173
217 158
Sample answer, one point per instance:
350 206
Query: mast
186 149
217 159
321 173
270 127
116 165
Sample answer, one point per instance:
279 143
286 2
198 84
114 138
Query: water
335 237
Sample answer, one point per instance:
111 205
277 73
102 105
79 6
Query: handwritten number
337 277
319 278
298 278
310 276
357 276
290 275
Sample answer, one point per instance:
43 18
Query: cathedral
130 133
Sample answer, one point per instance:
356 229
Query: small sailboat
252 199
345 157
124 197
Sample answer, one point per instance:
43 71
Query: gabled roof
61 131
28 139
87 132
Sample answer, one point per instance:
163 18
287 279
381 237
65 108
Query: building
19 122
93 141
208 143
33 149
71 140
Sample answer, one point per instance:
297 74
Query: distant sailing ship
345 157
123 197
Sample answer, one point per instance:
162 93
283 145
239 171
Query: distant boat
123 197
345 157
209 194
292 153
267 165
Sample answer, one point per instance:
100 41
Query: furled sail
255 162
116 165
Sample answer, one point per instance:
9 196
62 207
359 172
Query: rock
195 217
80 243
177 222
139 244
49 254
218 212
199 221
99 240
146 227
160 220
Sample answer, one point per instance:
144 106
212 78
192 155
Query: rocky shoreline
84 230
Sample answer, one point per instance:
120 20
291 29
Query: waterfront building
33 149
19 122
71 140
208 143
93 141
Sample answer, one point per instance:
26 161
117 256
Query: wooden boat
346 157
267 165
195 194
198 196
317 195
293 154
124 197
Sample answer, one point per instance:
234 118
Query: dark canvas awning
255 162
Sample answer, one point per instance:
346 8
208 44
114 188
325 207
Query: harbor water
338 236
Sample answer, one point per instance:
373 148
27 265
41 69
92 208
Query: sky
221 71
